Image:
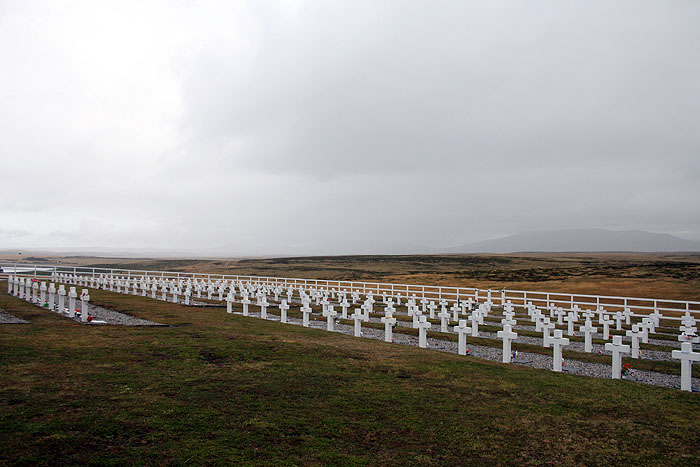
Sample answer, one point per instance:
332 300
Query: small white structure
305 312
588 329
229 302
245 302
423 326
389 322
431 308
283 311
617 348
444 316
570 320
546 327
344 305
61 298
462 329
72 295
330 317
358 317
52 296
635 334
687 357
84 299
606 322
507 335
474 317
557 342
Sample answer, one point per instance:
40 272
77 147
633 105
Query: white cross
52 295
229 302
389 322
305 312
416 318
538 321
366 307
556 342
588 330
689 337
509 321
263 307
687 357
245 302
546 327
283 311
462 329
444 317
423 326
455 312
570 319
507 335
432 307
474 317
617 348
606 327
358 316
344 307
84 299
618 320
635 334
647 326
330 317
687 329
72 295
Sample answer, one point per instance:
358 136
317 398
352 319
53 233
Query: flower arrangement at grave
626 370
690 336
45 305
515 354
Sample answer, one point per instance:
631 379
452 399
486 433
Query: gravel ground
576 367
105 316
6 318
577 346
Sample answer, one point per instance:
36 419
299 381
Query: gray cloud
321 127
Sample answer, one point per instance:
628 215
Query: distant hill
581 240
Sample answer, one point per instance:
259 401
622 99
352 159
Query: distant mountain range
581 240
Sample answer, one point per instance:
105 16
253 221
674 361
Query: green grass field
223 389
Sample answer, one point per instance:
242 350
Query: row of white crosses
544 324
39 294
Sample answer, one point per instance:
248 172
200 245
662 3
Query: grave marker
617 348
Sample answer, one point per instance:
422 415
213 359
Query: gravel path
574 345
6 318
533 360
105 316
101 316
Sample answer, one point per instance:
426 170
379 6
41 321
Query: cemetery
646 343
660 356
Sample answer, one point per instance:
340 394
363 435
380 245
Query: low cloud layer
360 127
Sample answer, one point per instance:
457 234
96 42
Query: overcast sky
323 127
